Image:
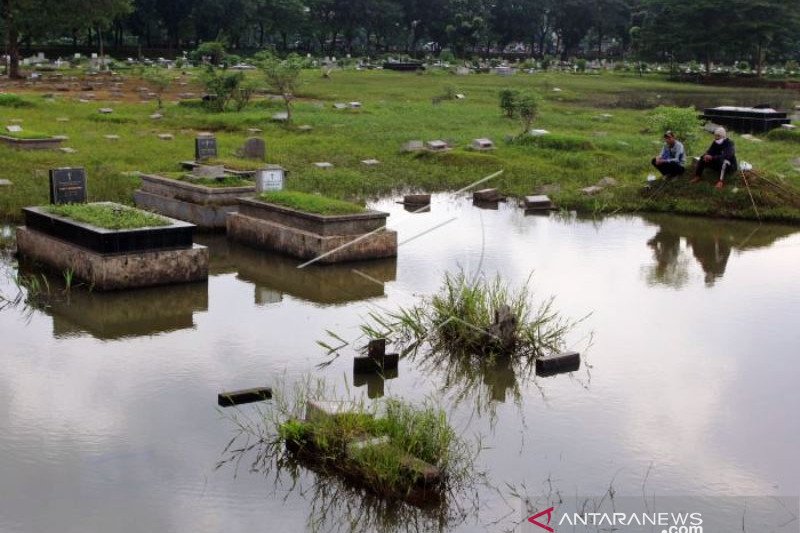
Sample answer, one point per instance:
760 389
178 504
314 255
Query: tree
26 19
527 108
282 77
160 80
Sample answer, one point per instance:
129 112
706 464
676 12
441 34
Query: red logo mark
549 512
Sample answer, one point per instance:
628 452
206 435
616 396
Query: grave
558 364
437 146
166 136
355 105
482 144
240 397
14 129
487 195
254 148
340 106
746 119
108 259
538 203
376 360
205 147
68 150
5 183
202 205
539 133
105 110
370 162
376 383
417 199
404 66
311 236
281 117
324 165
111 137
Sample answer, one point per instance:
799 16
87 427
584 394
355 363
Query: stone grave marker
482 144
283 116
106 110
437 146
205 147
67 186
539 133
413 146
68 150
340 106
14 129
5 183
355 105
254 148
111 137
166 136
370 162
538 203
323 165
270 178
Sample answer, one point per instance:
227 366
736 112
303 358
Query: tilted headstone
205 148
254 148
67 186
269 179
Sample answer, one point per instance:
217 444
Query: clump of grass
109 216
555 141
241 165
13 100
311 203
227 181
409 433
781 134
461 320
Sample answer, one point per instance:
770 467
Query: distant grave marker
205 147
14 129
67 186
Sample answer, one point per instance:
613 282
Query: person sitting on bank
672 161
721 157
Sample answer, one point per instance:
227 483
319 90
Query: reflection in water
375 382
710 243
274 275
121 314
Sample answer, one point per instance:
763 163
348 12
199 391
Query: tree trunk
759 60
12 40
102 49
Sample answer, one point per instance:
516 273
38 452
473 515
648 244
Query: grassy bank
598 125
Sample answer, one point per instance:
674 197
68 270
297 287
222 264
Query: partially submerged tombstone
154 251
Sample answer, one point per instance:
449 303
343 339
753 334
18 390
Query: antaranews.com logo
670 522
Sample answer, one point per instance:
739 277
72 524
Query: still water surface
108 417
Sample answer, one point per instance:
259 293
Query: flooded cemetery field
687 387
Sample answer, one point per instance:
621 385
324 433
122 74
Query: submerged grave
312 227
107 245
204 197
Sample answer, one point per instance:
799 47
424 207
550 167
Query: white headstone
323 165
270 179
437 145
14 129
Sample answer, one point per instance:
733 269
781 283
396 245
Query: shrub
508 100
12 100
282 76
527 108
784 135
160 80
221 86
681 120
212 52
580 65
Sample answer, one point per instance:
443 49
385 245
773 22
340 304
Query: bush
527 108
784 135
12 100
213 52
508 100
580 65
683 121
221 86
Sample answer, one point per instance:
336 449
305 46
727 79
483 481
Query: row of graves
111 246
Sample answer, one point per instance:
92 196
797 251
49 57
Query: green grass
583 146
107 216
311 203
419 432
13 100
230 163
227 181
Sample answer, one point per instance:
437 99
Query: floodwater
688 387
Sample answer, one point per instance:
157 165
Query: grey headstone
254 148
67 186
414 146
538 202
482 144
205 147
437 145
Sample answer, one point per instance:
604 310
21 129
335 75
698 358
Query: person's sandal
720 184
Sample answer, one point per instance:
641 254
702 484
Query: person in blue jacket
721 157
672 161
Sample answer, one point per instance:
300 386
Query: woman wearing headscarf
721 157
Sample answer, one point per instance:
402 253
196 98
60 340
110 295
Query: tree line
664 30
